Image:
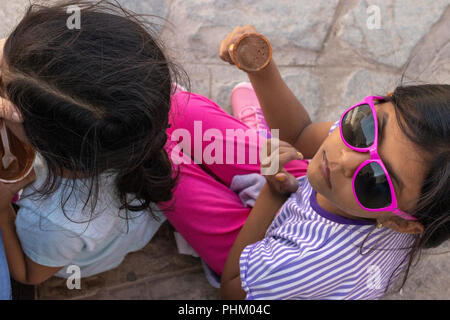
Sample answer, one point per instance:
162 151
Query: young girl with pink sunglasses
376 191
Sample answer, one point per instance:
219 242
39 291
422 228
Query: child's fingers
270 147
290 149
278 178
227 45
276 143
283 182
9 112
17 186
224 50
9 191
290 155
281 155
2 45
27 180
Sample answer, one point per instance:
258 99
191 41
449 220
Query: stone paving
330 53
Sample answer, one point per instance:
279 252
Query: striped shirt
309 253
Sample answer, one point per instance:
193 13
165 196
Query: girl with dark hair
94 104
377 190
99 105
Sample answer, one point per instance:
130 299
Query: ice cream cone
252 52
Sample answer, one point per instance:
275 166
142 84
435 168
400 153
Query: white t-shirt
95 242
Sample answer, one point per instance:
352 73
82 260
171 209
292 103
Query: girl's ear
401 225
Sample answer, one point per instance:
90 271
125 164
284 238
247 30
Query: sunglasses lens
358 127
372 187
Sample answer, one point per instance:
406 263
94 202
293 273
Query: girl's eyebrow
392 174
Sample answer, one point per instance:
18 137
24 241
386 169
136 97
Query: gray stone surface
329 58
364 82
201 25
10 14
430 59
305 85
155 272
12 11
403 24
156 11
428 279
223 80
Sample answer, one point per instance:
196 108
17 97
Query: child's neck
328 206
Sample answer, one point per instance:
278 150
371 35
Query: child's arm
22 269
272 196
282 110
254 229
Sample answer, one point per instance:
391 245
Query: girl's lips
325 170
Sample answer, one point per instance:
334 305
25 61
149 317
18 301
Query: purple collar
331 216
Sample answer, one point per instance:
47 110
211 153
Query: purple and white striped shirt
309 253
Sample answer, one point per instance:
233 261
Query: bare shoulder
312 137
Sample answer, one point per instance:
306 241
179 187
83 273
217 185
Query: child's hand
282 182
7 110
231 38
9 190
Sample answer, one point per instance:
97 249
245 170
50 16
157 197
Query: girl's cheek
343 196
351 207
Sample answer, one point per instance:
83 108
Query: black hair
94 99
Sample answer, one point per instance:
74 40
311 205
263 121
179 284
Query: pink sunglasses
372 185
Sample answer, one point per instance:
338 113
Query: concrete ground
331 53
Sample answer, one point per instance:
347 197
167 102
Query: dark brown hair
94 99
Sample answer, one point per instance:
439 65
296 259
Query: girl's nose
351 160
